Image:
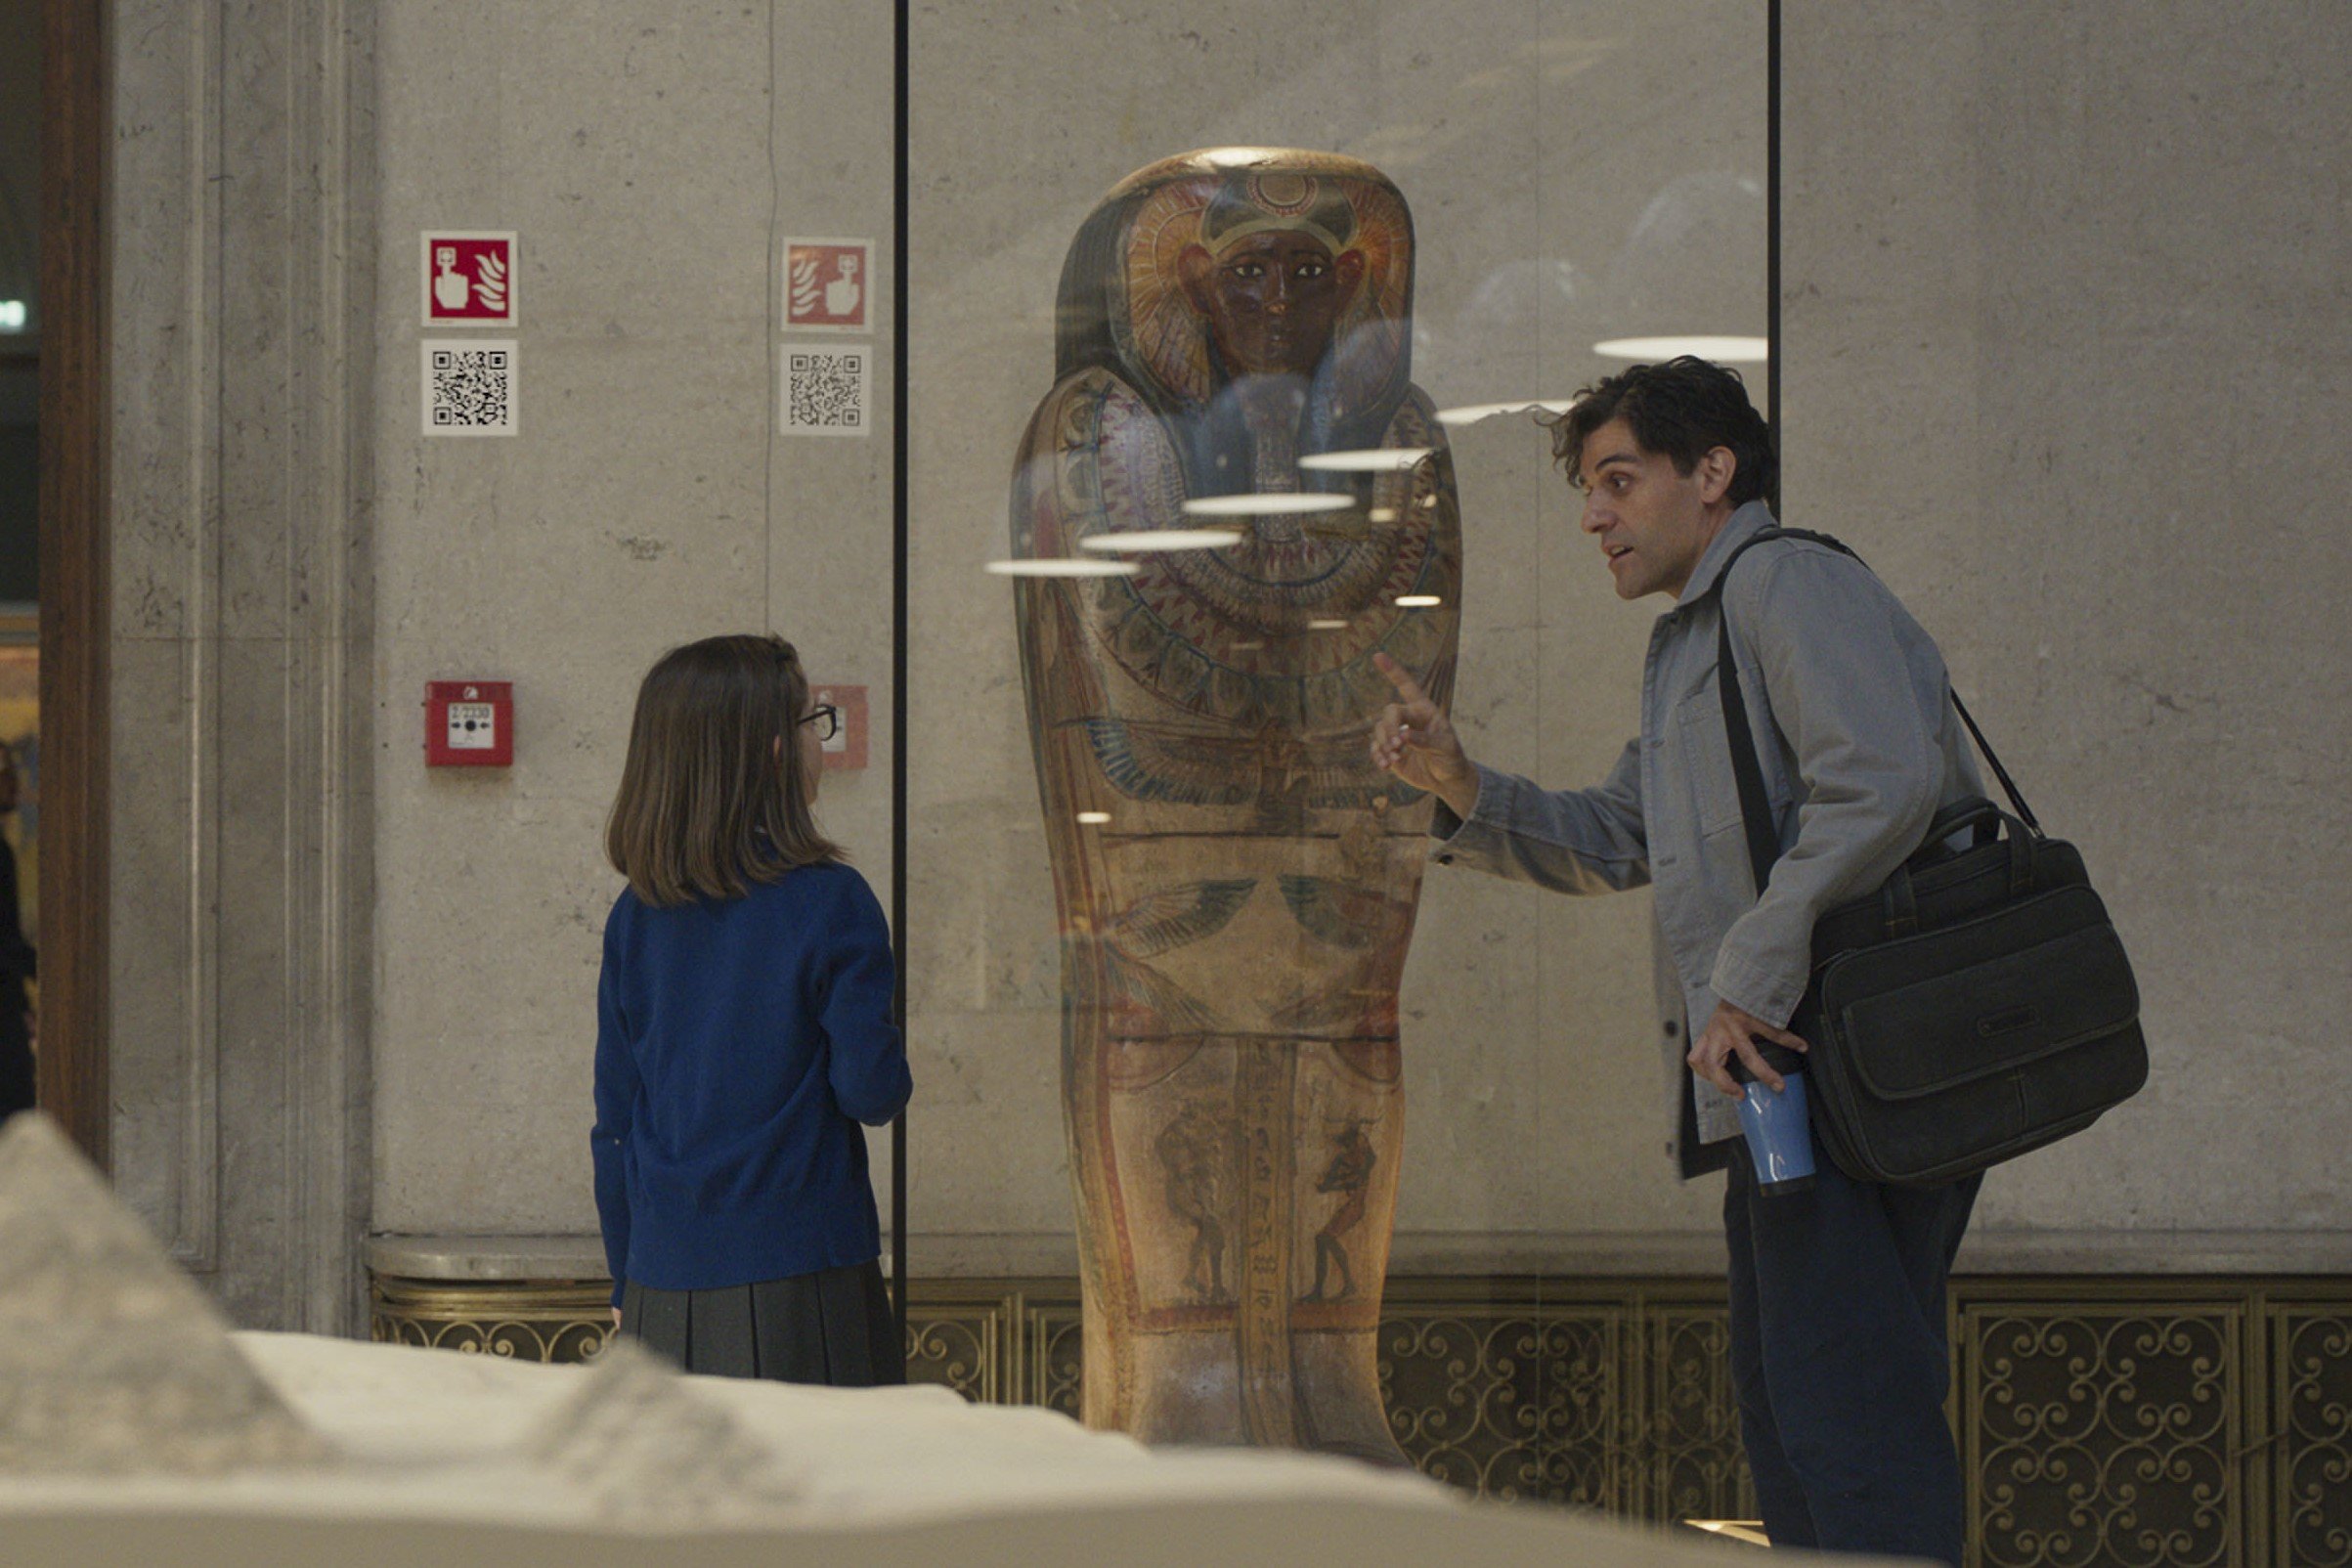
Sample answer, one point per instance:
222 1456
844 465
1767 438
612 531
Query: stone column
242 294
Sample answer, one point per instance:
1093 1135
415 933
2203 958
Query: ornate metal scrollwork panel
2131 1422
1056 1356
1507 1402
2104 1434
963 1344
549 1320
2312 1412
1694 1467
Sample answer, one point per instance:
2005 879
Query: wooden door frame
75 584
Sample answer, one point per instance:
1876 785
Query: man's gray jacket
1858 743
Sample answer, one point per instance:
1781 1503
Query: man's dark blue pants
1838 1358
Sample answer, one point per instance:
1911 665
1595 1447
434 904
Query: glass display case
1229 338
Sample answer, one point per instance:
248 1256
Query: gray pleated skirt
830 1326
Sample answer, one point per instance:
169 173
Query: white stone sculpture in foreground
112 1362
111 1359
134 1429
651 1454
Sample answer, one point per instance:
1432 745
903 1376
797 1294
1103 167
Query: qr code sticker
827 391
469 387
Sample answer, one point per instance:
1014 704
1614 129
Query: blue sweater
738 1045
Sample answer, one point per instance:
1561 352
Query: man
1837 1293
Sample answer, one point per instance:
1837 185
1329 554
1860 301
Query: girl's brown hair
709 802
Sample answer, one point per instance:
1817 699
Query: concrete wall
635 159
2069 357
646 504
651 159
2065 346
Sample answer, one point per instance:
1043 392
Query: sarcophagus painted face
1235 880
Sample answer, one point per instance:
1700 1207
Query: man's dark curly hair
1685 409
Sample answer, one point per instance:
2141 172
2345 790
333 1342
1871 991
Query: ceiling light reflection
1327 623
1382 514
1418 601
1094 820
1277 504
1472 412
1722 350
1061 566
1164 538
1369 461
1749 1531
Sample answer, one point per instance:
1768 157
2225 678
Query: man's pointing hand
1416 741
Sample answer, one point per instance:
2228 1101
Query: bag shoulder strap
1754 806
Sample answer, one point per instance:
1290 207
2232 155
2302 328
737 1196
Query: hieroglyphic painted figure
1234 924
1349 1175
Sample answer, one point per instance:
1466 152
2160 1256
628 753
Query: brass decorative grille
538 1320
2102 1435
1696 1470
1507 1398
2312 1369
2121 1422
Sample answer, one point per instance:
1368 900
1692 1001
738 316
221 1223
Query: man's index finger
1400 677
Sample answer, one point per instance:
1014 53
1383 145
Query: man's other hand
1732 1032
1416 741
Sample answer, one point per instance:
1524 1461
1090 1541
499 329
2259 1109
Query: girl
743 1031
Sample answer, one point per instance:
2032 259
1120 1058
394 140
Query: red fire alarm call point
469 723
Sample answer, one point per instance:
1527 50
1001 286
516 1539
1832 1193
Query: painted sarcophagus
1237 882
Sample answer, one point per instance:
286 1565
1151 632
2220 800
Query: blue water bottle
1779 1132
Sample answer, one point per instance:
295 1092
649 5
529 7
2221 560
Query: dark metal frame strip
75 628
901 189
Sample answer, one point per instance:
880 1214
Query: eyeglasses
827 720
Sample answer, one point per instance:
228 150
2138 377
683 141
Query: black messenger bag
1977 1006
